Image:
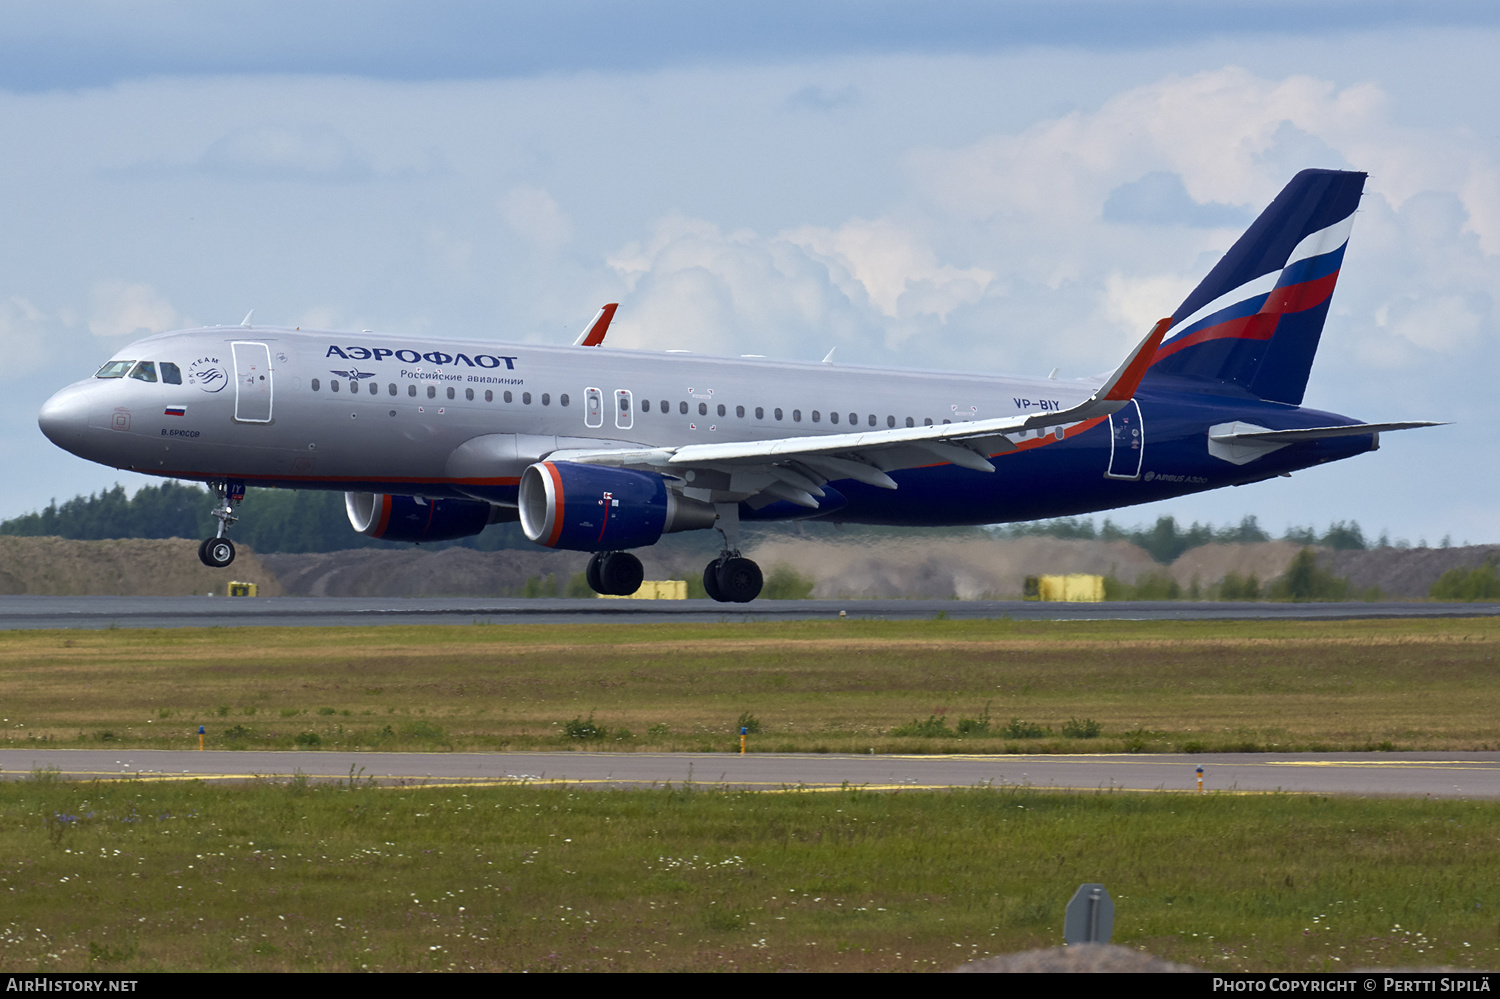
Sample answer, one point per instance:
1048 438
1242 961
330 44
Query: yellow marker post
743 729
1200 780
200 738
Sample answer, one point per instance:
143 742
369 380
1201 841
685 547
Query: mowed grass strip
836 686
139 876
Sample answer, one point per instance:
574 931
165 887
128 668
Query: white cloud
533 214
284 152
122 309
26 335
898 273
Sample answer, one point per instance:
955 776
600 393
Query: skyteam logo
209 374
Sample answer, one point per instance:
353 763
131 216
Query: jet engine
412 518
590 508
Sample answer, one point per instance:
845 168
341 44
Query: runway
1408 775
31 612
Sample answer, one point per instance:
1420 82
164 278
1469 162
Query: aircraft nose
65 417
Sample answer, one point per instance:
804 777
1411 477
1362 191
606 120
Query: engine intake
411 518
589 508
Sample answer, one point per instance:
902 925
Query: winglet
593 336
1127 378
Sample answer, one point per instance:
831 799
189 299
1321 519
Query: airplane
607 450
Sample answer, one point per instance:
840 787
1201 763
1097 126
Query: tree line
282 520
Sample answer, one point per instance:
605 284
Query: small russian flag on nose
175 411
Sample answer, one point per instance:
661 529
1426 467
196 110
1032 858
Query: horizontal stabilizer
1244 442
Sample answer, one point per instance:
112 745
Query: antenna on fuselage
246 320
828 359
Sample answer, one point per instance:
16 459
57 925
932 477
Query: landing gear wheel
739 580
591 574
711 581
216 553
620 573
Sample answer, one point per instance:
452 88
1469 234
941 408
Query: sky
964 186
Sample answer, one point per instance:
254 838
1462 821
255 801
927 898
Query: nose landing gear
218 551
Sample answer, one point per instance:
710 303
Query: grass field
842 686
139 876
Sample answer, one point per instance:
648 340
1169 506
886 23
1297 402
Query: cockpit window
114 369
171 373
144 370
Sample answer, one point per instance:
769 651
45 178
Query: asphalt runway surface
1407 775
28 612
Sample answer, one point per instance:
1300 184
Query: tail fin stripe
1261 324
1312 268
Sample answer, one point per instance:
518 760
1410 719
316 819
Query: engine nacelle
410 518
590 508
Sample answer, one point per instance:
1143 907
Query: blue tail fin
1255 320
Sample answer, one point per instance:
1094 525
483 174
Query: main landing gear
615 574
731 578
218 551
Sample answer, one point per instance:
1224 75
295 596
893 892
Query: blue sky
1005 187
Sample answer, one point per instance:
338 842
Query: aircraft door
1127 443
593 407
624 409
252 382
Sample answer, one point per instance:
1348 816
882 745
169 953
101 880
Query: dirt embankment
126 567
944 568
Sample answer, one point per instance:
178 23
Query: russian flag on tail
1255 321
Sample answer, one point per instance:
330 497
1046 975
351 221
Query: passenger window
739 411
333 383
392 388
682 408
450 391
778 414
872 419
833 417
411 390
315 385
489 395
374 389
469 394
508 396
432 391
796 416
562 400
853 419
702 409
144 371
722 410
890 421
526 398
817 417
645 405
927 422
910 422
665 407
114 369
760 412
171 373
546 399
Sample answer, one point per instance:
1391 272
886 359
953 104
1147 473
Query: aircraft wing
795 468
